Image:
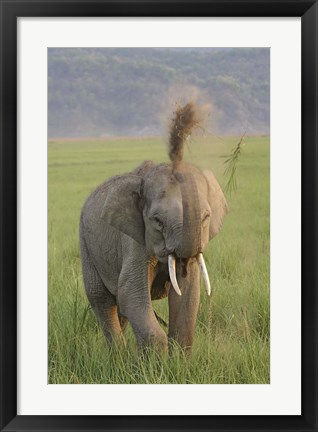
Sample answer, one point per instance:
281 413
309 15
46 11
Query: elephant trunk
190 244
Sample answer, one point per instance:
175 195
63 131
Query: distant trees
94 91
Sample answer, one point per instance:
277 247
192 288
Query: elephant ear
121 207
217 204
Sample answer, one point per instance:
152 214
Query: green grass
232 333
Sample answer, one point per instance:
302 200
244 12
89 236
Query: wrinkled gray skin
128 226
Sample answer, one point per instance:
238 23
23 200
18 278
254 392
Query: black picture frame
10 11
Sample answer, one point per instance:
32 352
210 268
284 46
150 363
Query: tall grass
232 333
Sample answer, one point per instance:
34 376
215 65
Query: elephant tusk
204 273
172 274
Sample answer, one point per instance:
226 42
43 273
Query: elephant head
172 209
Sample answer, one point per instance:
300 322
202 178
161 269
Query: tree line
128 91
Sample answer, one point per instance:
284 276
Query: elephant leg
135 304
101 300
105 309
183 309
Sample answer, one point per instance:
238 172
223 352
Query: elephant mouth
162 258
184 263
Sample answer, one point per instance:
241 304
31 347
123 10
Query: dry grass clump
185 120
231 166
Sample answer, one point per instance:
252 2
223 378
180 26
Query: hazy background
96 92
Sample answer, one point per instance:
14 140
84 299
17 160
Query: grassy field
232 333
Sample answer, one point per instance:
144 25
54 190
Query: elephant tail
183 123
160 320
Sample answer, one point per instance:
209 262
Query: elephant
142 238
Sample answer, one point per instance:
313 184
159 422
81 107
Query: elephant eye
158 222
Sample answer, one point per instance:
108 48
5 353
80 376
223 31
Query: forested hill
126 91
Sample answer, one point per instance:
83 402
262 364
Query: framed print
90 90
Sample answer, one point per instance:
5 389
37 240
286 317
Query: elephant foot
156 340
